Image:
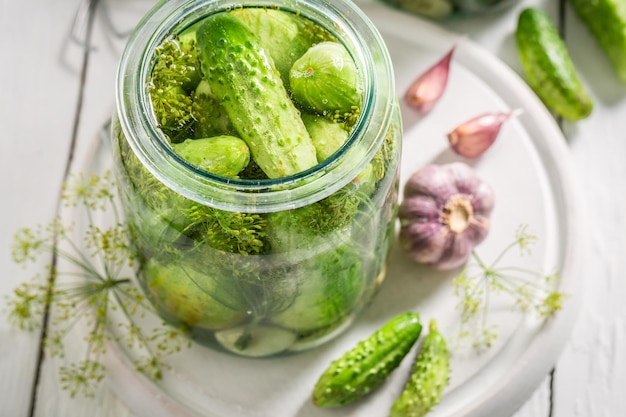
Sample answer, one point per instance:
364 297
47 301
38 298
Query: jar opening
343 20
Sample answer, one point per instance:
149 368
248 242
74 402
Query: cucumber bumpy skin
243 78
368 364
325 79
285 36
548 67
221 155
177 296
429 376
327 136
606 19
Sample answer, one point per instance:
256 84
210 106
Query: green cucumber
606 19
221 155
368 364
327 136
179 298
241 75
285 36
429 377
329 287
548 67
325 79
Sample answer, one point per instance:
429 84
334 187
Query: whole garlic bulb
444 214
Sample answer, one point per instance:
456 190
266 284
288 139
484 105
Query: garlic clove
424 242
455 253
432 181
478 229
483 199
419 207
468 183
473 137
463 177
425 91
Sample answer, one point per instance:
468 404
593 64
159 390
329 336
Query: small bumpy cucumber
221 155
606 19
327 136
325 79
429 377
548 67
243 78
285 36
176 295
367 365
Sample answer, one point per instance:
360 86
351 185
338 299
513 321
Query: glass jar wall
256 261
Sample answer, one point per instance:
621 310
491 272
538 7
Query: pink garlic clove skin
444 214
432 182
457 252
425 241
425 91
466 181
473 137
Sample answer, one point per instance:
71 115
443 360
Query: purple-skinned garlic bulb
444 214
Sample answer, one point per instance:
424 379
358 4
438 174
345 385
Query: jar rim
349 25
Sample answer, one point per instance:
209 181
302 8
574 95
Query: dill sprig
92 289
348 119
530 290
232 232
175 70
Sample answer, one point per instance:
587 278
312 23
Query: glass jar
443 9
260 267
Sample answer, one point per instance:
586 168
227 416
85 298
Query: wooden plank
591 372
98 105
39 79
539 404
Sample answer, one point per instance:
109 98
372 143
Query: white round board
527 167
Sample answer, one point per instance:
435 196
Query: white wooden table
56 94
